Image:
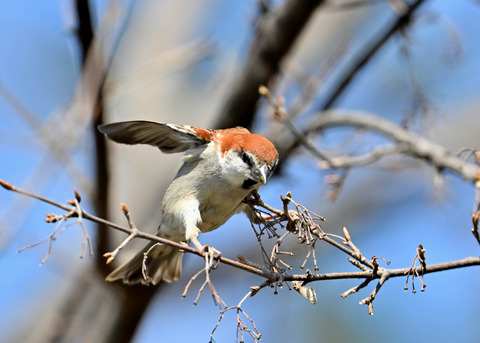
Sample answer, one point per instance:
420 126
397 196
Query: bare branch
277 32
312 83
302 223
356 289
280 114
111 255
374 155
409 142
369 300
60 219
400 22
241 326
404 12
420 256
129 231
46 137
208 282
466 262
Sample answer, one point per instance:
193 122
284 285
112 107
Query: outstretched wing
169 138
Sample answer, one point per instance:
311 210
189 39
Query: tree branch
97 50
402 20
407 142
76 211
277 32
411 143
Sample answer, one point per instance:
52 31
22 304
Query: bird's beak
261 174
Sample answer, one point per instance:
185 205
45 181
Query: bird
221 168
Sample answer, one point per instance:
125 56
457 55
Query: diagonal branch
403 18
277 32
400 22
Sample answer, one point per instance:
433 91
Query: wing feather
169 138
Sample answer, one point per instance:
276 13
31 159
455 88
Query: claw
211 254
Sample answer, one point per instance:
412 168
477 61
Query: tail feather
167 269
164 263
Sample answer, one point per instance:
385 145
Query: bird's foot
212 257
210 254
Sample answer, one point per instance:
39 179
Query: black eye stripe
247 159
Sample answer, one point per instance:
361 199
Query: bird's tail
163 263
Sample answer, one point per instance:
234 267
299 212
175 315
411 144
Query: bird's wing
169 138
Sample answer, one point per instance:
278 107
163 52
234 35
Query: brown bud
110 257
475 217
77 195
6 185
51 218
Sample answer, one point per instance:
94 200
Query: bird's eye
247 159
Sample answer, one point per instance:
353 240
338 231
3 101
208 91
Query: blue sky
394 210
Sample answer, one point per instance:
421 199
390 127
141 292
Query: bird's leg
191 234
197 244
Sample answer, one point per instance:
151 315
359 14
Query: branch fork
111 255
74 210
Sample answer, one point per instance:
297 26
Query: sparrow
220 169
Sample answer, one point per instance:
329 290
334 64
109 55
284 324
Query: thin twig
369 300
60 220
281 115
356 288
51 237
86 237
241 326
420 256
111 255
